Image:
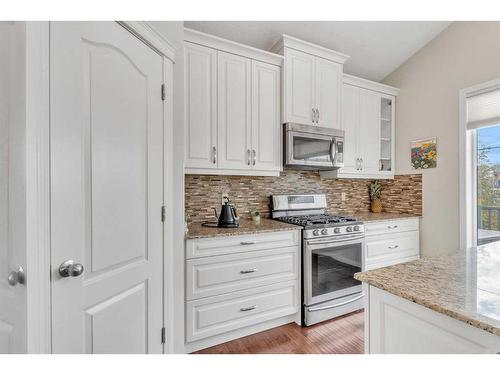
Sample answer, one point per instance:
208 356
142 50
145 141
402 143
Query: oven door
329 267
309 150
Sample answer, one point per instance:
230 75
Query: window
488 184
480 164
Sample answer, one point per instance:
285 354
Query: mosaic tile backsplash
202 193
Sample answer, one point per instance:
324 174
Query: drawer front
228 273
215 315
203 247
390 226
387 247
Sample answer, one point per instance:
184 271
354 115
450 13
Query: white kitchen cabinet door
266 116
234 111
328 92
299 87
106 120
369 131
200 106
350 125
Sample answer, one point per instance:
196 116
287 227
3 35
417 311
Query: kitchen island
443 304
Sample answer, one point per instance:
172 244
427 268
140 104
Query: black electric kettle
227 217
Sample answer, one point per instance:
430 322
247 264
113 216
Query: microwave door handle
333 150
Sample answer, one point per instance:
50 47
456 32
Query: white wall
464 54
174 33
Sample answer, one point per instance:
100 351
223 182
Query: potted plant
375 190
255 213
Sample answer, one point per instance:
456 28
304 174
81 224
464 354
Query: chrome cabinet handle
392 226
317 115
70 268
361 165
393 247
17 276
357 164
249 271
248 308
254 157
214 155
248 156
248 243
313 115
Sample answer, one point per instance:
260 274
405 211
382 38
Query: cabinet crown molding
207 40
370 85
311 48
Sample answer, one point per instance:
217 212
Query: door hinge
163 92
163 333
163 214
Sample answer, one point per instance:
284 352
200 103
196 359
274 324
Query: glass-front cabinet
386 162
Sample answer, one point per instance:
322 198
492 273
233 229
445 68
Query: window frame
468 166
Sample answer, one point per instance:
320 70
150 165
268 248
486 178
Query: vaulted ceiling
376 48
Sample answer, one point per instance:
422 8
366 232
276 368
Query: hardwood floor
343 335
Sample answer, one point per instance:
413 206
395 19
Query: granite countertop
464 285
247 226
370 216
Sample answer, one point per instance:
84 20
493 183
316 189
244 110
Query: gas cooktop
317 220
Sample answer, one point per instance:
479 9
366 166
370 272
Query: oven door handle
336 305
344 239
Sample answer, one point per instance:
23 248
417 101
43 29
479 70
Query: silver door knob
16 277
70 268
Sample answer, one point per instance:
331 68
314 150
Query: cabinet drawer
227 273
203 247
215 315
390 226
383 248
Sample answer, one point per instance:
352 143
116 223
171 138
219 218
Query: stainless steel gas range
332 252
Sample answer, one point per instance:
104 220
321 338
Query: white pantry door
106 189
12 193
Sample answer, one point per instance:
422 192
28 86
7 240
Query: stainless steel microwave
312 147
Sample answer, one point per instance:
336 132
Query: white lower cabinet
399 326
391 242
215 315
239 285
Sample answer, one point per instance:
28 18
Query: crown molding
198 37
370 85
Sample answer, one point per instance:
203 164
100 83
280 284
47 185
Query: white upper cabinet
299 87
232 114
234 111
265 115
368 112
328 93
200 110
350 121
312 86
369 131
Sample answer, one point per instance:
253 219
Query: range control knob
356 228
324 231
336 230
348 229
315 232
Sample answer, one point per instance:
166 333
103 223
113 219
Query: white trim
225 45
38 188
288 41
230 172
370 85
467 174
168 198
153 39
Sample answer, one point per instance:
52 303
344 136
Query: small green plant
255 212
375 190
